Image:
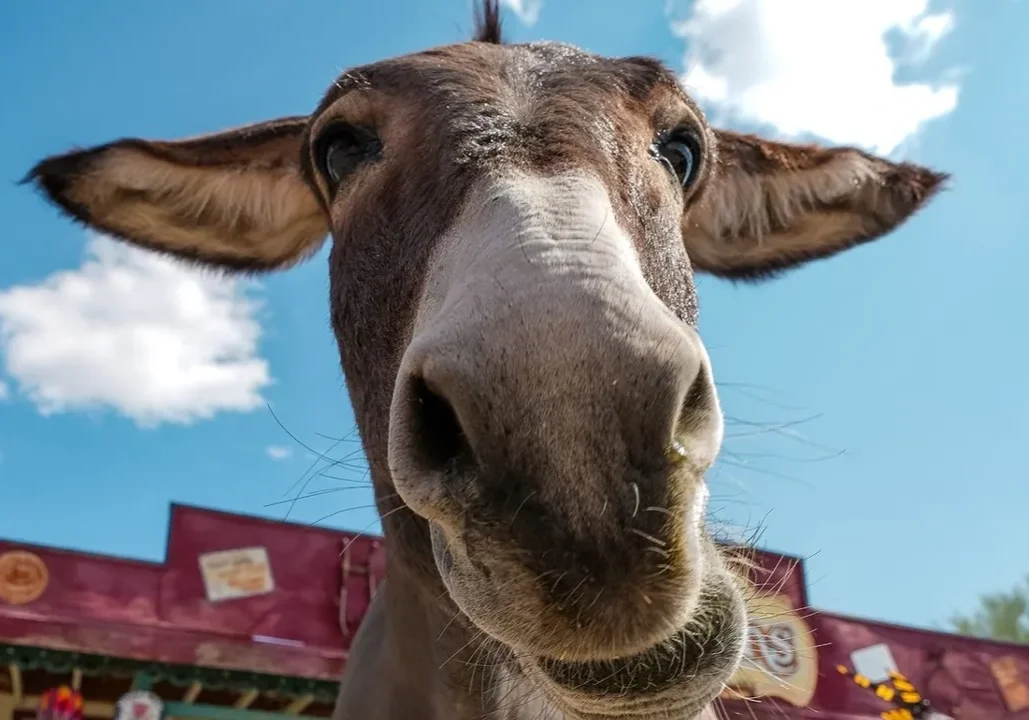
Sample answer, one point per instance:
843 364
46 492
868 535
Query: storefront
248 619
801 663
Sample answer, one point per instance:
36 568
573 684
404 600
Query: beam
219 712
192 692
141 681
246 699
76 679
299 705
17 688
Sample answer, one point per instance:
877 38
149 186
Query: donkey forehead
488 84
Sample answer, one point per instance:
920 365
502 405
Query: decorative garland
62 661
908 703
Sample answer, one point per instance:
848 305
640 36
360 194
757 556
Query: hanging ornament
60 703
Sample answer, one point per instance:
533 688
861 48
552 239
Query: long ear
235 199
772 206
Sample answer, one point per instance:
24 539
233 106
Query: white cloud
818 67
277 452
527 11
135 332
5 391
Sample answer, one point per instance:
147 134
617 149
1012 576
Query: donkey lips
685 669
656 668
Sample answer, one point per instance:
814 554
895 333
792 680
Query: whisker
645 536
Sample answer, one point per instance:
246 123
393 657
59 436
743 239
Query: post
141 681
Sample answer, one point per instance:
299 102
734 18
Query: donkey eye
343 148
680 154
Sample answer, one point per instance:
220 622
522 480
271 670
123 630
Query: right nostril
438 437
698 426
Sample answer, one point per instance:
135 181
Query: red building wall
323 580
161 610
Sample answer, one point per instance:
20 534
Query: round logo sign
23 577
139 705
782 657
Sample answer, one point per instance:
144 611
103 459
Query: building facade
245 619
251 619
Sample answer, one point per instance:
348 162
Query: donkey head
515 230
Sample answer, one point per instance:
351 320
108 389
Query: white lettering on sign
780 658
773 647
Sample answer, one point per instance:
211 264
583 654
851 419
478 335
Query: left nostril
440 441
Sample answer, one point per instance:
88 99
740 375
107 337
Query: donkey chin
605 606
646 647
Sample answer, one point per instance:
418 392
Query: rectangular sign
1012 688
233 574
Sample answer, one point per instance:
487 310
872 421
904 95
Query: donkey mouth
663 666
676 676
680 675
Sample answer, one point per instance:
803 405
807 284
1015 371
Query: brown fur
519 444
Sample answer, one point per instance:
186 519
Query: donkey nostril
437 435
697 436
697 403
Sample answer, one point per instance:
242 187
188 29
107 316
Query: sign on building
233 574
780 659
138 705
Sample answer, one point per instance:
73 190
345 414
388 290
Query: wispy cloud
277 452
137 333
813 67
527 11
5 391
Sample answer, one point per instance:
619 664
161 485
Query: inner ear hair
773 206
235 199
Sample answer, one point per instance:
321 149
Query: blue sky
876 402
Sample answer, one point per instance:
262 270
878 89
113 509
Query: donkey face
515 230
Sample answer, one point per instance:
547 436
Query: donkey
515 231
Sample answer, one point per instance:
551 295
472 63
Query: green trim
218 712
29 657
141 681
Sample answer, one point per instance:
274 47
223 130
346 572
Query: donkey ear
773 206
235 199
